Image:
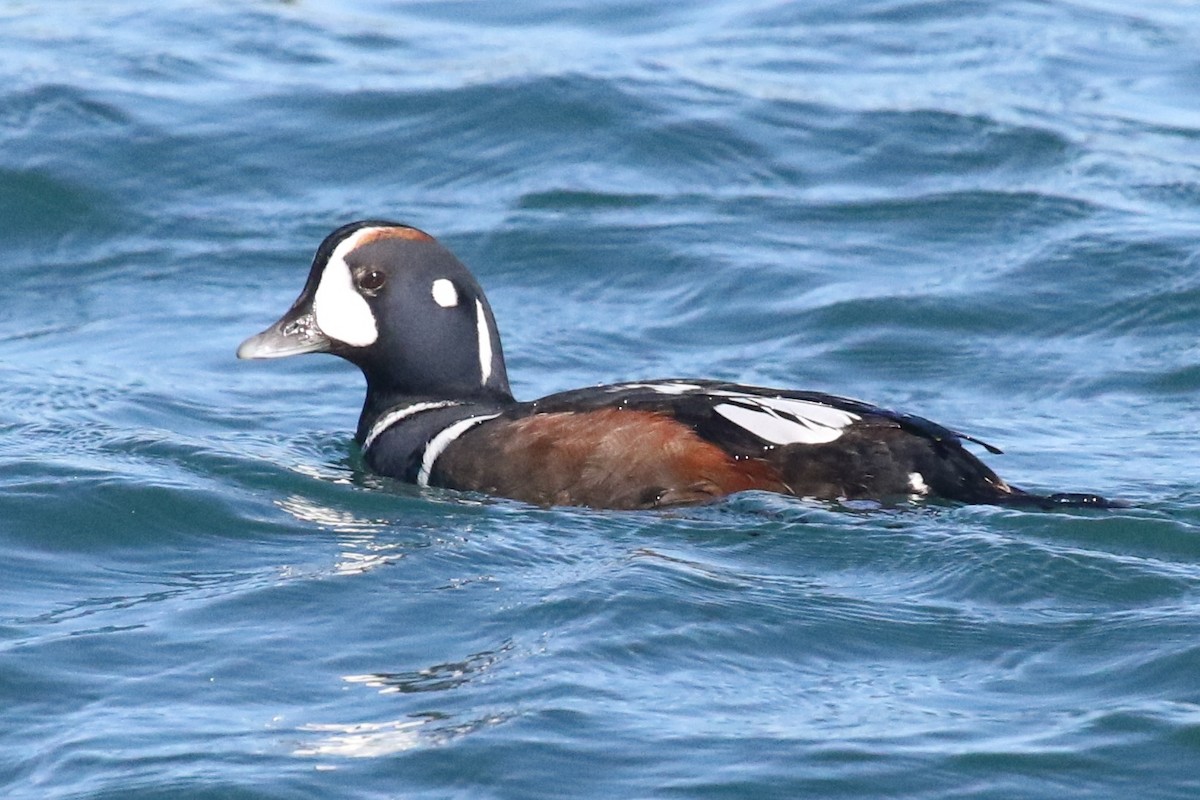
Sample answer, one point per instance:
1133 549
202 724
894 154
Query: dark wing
744 419
820 445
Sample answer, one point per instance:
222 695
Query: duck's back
641 445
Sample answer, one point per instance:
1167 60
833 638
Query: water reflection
438 677
362 739
362 551
305 510
374 739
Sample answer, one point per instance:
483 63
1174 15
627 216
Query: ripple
986 217
435 678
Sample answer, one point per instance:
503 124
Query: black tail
956 474
1023 499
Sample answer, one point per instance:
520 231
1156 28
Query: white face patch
339 310
916 482
444 293
784 420
485 343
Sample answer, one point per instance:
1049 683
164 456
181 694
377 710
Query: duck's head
391 300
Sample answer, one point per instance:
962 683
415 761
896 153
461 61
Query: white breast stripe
785 420
395 415
440 442
485 343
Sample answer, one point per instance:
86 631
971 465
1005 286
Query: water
983 213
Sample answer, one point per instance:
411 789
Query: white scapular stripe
444 293
485 343
395 415
339 310
440 442
784 420
662 387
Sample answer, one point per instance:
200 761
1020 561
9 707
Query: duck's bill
290 336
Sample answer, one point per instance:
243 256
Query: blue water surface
985 213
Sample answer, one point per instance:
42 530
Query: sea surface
986 213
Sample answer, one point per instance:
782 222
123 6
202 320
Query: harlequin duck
394 302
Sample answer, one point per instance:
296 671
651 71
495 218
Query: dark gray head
390 299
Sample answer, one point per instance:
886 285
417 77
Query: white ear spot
444 293
339 310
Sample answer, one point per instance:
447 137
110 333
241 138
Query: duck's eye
371 280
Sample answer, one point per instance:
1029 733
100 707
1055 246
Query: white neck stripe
485 343
440 442
395 415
